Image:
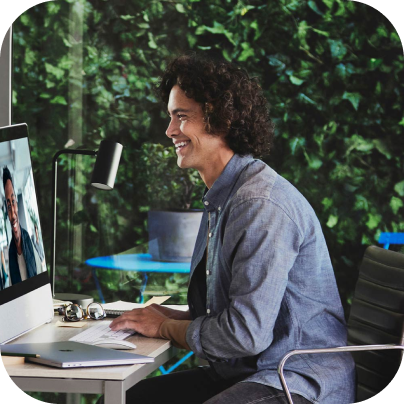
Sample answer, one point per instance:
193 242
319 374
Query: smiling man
23 260
261 281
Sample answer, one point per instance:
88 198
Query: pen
23 355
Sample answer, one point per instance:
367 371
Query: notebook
116 309
69 354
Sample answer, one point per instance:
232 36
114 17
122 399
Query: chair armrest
353 348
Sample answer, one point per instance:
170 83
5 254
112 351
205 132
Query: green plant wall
332 71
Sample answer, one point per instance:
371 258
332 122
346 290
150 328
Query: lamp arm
54 193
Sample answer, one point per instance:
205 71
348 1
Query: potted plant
174 201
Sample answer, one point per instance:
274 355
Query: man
23 259
261 280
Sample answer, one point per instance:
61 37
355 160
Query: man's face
12 209
194 147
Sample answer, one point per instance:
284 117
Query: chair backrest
377 317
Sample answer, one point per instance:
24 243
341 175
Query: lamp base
81 300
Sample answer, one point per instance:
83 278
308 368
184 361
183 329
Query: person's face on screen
12 209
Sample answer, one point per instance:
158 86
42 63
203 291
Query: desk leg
114 393
143 287
97 283
73 398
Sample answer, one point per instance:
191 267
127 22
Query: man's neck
18 244
214 168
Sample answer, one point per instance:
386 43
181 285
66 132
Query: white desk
112 381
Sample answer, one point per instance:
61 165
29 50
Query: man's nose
11 213
173 129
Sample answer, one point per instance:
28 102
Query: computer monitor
25 293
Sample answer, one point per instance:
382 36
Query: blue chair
391 238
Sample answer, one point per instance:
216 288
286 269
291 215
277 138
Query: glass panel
84 71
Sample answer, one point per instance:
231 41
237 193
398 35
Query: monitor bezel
14 132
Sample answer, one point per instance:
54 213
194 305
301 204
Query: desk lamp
105 169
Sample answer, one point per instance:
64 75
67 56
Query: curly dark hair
7 176
232 102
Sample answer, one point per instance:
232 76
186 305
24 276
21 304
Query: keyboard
100 330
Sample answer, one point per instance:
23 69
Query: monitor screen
22 256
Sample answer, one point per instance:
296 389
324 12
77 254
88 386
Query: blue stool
391 238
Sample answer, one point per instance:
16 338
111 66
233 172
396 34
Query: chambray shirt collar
215 197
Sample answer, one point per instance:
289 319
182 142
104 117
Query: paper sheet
127 306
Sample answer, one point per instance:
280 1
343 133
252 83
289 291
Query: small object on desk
16 358
20 355
58 304
116 309
12 360
112 343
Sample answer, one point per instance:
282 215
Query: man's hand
145 321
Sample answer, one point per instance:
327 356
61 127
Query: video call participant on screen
24 261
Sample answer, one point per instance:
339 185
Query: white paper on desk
182 307
127 306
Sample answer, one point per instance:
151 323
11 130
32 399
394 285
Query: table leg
114 393
97 284
143 286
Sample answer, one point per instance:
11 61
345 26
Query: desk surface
138 262
50 333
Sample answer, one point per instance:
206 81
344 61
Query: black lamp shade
106 165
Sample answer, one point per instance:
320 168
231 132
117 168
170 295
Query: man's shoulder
260 182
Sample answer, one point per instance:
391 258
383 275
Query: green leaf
337 48
180 8
324 33
327 203
59 100
382 148
93 229
152 44
246 53
332 221
56 71
399 188
373 221
302 97
396 204
401 122
296 81
353 98
312 4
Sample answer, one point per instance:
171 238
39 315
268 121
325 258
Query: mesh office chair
377 317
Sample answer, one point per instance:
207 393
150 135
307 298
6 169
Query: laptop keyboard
100 330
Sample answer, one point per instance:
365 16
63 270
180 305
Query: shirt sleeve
260 245
175 331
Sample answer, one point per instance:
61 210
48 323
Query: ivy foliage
332 71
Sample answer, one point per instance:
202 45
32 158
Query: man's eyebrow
175 111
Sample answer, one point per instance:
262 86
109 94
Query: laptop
70 354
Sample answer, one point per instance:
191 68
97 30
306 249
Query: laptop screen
21 249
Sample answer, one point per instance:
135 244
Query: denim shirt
270 287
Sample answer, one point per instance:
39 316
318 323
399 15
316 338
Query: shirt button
210 235
208 311
207 272
219 208
206 203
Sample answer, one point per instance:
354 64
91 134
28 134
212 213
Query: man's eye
180 116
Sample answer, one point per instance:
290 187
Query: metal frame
353 348
5 79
